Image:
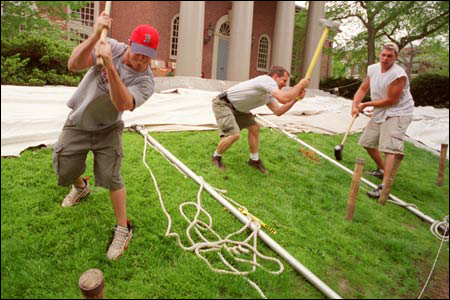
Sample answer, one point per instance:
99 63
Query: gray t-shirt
252 93
379 83
92 108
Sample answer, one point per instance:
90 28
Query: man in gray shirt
124 82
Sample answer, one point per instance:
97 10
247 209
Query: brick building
268 40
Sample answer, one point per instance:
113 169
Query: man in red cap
124 82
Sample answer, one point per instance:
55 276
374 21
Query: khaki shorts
229 120
72 147
387 136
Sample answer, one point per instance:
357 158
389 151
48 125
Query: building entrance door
222 59
220 53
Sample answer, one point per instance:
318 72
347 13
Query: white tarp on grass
32 116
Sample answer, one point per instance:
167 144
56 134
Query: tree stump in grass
91 284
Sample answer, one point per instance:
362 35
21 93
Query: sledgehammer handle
348 130
316 54
104 31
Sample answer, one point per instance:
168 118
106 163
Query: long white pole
400 202
313 279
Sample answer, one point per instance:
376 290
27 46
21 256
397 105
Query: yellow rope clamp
246 213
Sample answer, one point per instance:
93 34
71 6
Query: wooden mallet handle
348 130
104 31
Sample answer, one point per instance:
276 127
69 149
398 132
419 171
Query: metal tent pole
313 279
399 201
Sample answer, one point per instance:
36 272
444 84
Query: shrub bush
33 59
426 89
344 87
430 89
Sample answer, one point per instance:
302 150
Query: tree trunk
371 46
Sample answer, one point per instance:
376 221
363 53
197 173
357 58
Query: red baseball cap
144 40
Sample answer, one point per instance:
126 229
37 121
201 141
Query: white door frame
219 23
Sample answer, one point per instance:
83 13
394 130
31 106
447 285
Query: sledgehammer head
331 25
338 152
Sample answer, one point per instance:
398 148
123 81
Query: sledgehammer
338 149
327 24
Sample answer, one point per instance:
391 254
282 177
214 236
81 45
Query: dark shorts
72 147
229 120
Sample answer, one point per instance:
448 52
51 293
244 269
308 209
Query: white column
313 33
283 34
239 51
190 39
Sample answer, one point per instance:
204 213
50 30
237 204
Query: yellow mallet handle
316 54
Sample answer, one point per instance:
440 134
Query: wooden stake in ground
92 285
442 164
390 180
357 173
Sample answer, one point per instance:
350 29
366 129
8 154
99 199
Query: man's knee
234 137
254 128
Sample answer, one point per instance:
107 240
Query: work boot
257 164
217 161
376 173
376 192
76 194
122 236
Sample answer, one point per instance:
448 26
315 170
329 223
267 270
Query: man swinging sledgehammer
95 122
392 114
232 110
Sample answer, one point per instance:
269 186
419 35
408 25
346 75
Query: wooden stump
357 173
390 180
91 284
442 164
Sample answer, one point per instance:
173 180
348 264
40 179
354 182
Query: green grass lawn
385 252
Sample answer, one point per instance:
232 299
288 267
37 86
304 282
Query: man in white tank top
392 114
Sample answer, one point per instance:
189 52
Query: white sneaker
122 235
76 194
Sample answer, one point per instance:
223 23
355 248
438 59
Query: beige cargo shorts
72 147
387 136
230 121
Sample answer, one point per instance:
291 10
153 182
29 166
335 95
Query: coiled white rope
444 238
434 228
237 248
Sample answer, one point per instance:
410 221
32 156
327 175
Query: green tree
28 16
434 55
401 22
34 50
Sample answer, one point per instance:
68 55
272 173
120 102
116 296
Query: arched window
263 53
174 37
225 29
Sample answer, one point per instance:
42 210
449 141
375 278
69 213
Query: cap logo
148 37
